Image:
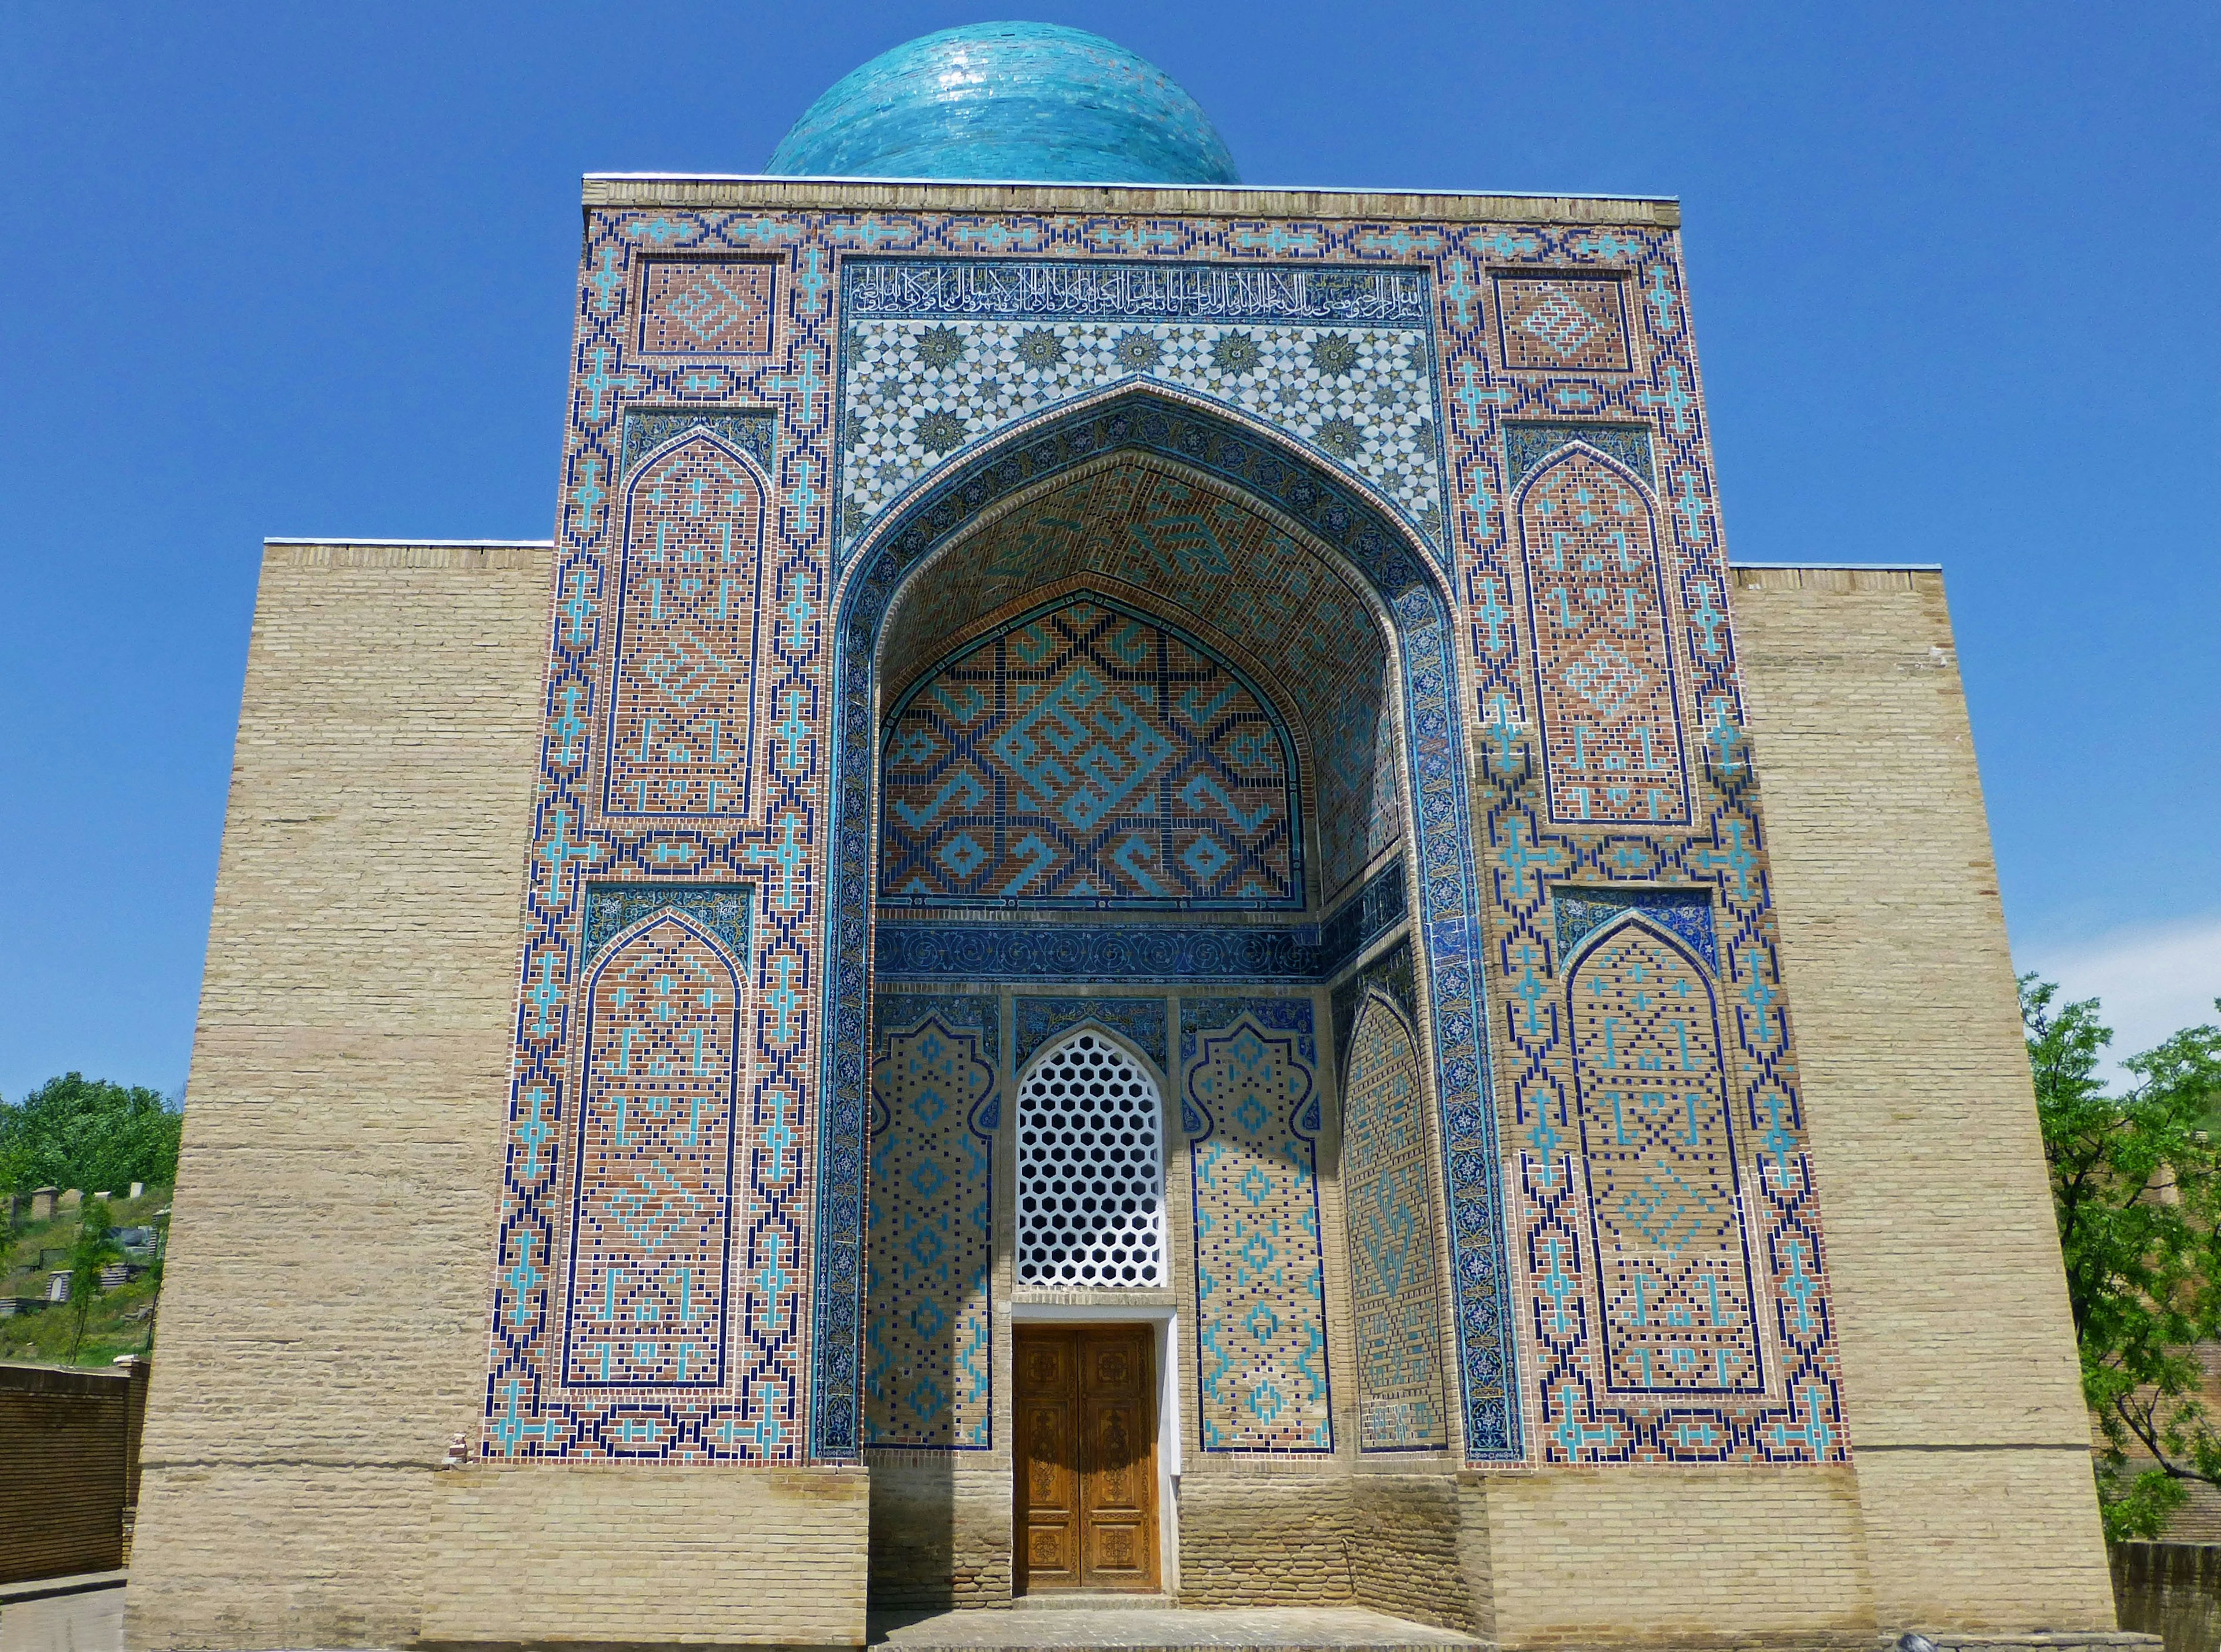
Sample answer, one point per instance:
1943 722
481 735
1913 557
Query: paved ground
34 1617
1165 1628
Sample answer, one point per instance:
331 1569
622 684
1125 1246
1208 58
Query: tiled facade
1344 470
1086 757
1251 1106
1389 1200
1965 1511
936 1106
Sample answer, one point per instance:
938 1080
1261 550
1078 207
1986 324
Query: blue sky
307 270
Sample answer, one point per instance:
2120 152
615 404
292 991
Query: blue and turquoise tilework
935 1107
1085 756
1250 1105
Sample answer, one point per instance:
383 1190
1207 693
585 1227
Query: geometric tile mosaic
930 1234
705 307
1390 1208
1604 679
1085 757
1223 570
1250 1106
682 711
1488 839
1562 320
1138 433
651 1198
925 372
1658 1154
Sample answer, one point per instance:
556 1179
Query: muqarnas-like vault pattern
1250 1106
936 1106
1389 1205
1088 757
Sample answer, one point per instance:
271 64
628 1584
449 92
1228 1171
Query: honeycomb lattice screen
1091 1171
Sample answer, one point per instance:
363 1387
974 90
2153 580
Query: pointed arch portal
1339 519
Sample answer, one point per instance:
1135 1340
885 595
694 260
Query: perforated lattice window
1091 1178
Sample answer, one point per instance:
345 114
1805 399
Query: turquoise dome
1034 102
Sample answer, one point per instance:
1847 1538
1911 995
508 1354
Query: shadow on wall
2171 1590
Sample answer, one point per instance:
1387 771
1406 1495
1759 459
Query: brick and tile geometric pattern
680 731
705 307
1155 536
1566 321
1658 1155
934 1110
1086 757
1250 1105
1389 1205
938 357
1487 841
1604 676
651 1195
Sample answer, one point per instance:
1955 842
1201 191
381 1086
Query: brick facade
1399 509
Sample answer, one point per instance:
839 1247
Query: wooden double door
1087 1458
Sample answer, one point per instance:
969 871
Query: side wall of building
323 1330
1968 1428
324 1335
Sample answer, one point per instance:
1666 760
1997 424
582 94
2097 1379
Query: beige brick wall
618 1553
1966 1424
1695 1555
323 1330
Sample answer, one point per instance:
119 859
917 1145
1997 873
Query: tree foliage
94 1249
2136 1183
79 1132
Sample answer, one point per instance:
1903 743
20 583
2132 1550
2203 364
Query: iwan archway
1228 579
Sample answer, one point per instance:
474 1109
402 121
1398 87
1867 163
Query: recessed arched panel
652 1170
1249 1103
929 1237
1221 457
1389 1205
681 702
1606 694
1658 1146
1089 756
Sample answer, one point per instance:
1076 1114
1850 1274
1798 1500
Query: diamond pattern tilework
930 1236
705 307
1250 1106
1086 757
651 1198
1560 322
1605 674
1390 1208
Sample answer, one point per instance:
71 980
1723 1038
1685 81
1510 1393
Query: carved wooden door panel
1087 1458
1048 1461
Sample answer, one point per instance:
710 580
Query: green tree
95 1248
2136 1183
73 1131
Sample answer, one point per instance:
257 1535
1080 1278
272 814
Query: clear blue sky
297 269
